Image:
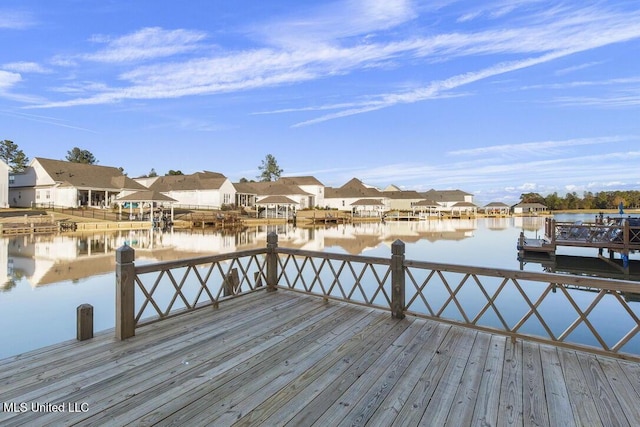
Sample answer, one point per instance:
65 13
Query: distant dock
621 235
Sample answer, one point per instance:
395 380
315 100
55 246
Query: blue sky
497 98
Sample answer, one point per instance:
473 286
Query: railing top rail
335 256
565 279
166 265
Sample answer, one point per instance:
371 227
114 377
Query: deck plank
461 412
284 358
535 411
555 389
582 404
510 409
605 401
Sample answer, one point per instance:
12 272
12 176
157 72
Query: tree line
588 200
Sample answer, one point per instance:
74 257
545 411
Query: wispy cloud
540 148
25 67
8 79
620 100
46 120
146 43
15 19
578 67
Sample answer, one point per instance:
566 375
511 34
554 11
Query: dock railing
619 236
568 311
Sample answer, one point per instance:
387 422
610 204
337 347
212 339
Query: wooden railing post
84 322
125 276
272 261
397 280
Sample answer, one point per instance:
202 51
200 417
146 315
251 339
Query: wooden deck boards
283 358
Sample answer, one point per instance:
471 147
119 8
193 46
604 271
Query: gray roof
353 188
276 200
269 188
145 196
82 175
445 195
299 180
367 202
197 181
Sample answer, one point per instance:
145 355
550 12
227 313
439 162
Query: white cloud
8 80
15 20
538 148
25 67
145 44
578 67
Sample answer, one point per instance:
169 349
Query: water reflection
47 259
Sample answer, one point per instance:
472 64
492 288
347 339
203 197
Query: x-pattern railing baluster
380 284
533 308
203 285
358 283
148 296
583 317
316 273
491 302
336 279
452 295
420 290
634 331
178 289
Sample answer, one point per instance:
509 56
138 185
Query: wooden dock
283 358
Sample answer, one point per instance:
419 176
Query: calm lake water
48 276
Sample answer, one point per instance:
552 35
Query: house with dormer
357 197
208 190
48 182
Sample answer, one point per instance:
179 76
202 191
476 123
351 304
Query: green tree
531 198
77 155
172 172
269 169
13 156
152 173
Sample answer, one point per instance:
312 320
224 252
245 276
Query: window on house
12 179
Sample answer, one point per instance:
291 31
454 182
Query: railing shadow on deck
584 313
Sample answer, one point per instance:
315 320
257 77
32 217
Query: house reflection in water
46 259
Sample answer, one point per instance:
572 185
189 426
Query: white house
343 198
205 189
308 184
47 182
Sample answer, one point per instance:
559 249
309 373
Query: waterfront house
354 191
273 197
529 208
48 182
204 190
401 200
309 184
